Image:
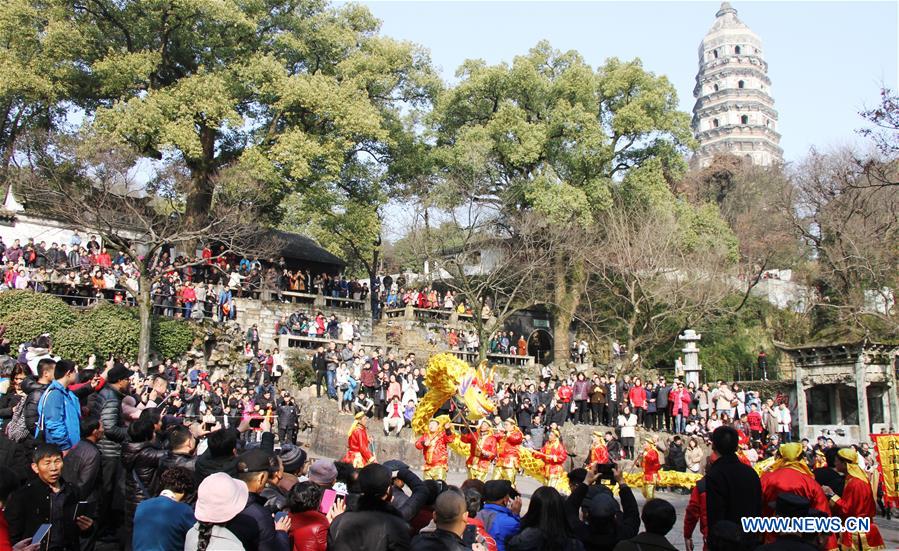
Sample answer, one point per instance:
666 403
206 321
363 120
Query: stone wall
266 313
326 436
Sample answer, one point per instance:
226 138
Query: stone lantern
692 366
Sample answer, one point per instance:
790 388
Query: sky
826 60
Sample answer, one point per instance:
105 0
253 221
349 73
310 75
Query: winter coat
533 539
83 469
582 390
141 462
646 542
257 518
110 412
30 506
60 416
677 461
309 531
500 522
33 390
438 540
374 526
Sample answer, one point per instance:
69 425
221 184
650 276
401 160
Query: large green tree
287 91
552 135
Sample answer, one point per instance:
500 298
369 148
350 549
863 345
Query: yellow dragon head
449 376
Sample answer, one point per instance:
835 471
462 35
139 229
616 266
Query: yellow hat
850 457
791 451
598 433
359 415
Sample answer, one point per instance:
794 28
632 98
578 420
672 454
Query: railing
290 340
340 302
471 357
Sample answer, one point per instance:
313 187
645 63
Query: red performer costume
358 451
599 453
482 451
507 457
857 501
790 474
433 446
553 455
651 467
697 513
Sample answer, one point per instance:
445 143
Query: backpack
16 429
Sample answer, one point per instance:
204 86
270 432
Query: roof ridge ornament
725 9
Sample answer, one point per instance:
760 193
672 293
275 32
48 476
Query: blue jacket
160 524
60 414
501 524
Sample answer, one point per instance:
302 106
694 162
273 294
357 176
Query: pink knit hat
220 498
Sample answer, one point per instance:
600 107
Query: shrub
27 315
300 368
171 338
115 330
75 343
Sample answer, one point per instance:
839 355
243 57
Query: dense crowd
113 458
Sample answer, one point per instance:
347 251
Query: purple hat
322 472
220 498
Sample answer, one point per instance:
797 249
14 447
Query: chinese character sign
887 448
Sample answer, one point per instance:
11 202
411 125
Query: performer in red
651 466
697 513
743 445
790 474
598 452
553 455
433 446
482 451
507 457
359 452
857 501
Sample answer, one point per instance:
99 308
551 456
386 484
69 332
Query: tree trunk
569 278
144 307
198 197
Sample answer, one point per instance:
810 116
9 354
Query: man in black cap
109 409
375 525
254 526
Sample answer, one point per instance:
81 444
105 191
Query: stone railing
471 357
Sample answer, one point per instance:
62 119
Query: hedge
27 315
102 330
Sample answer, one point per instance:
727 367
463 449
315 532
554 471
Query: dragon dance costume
482 451
554 455
434 448
507 462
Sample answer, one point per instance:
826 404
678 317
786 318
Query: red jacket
754 420
637 396
309 531
565 394
696 512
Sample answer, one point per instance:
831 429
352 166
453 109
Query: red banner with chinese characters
887 448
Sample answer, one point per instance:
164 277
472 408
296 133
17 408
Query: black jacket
733 491
319 365
8 402
109 409
375 526
33 391
16 457
83 469
141 462
598 535
275 500
172 459
646 542
438 540
30 506
533 539
676 459
555 415
255 524
287 416
207 464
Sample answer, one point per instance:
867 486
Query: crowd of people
111 457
